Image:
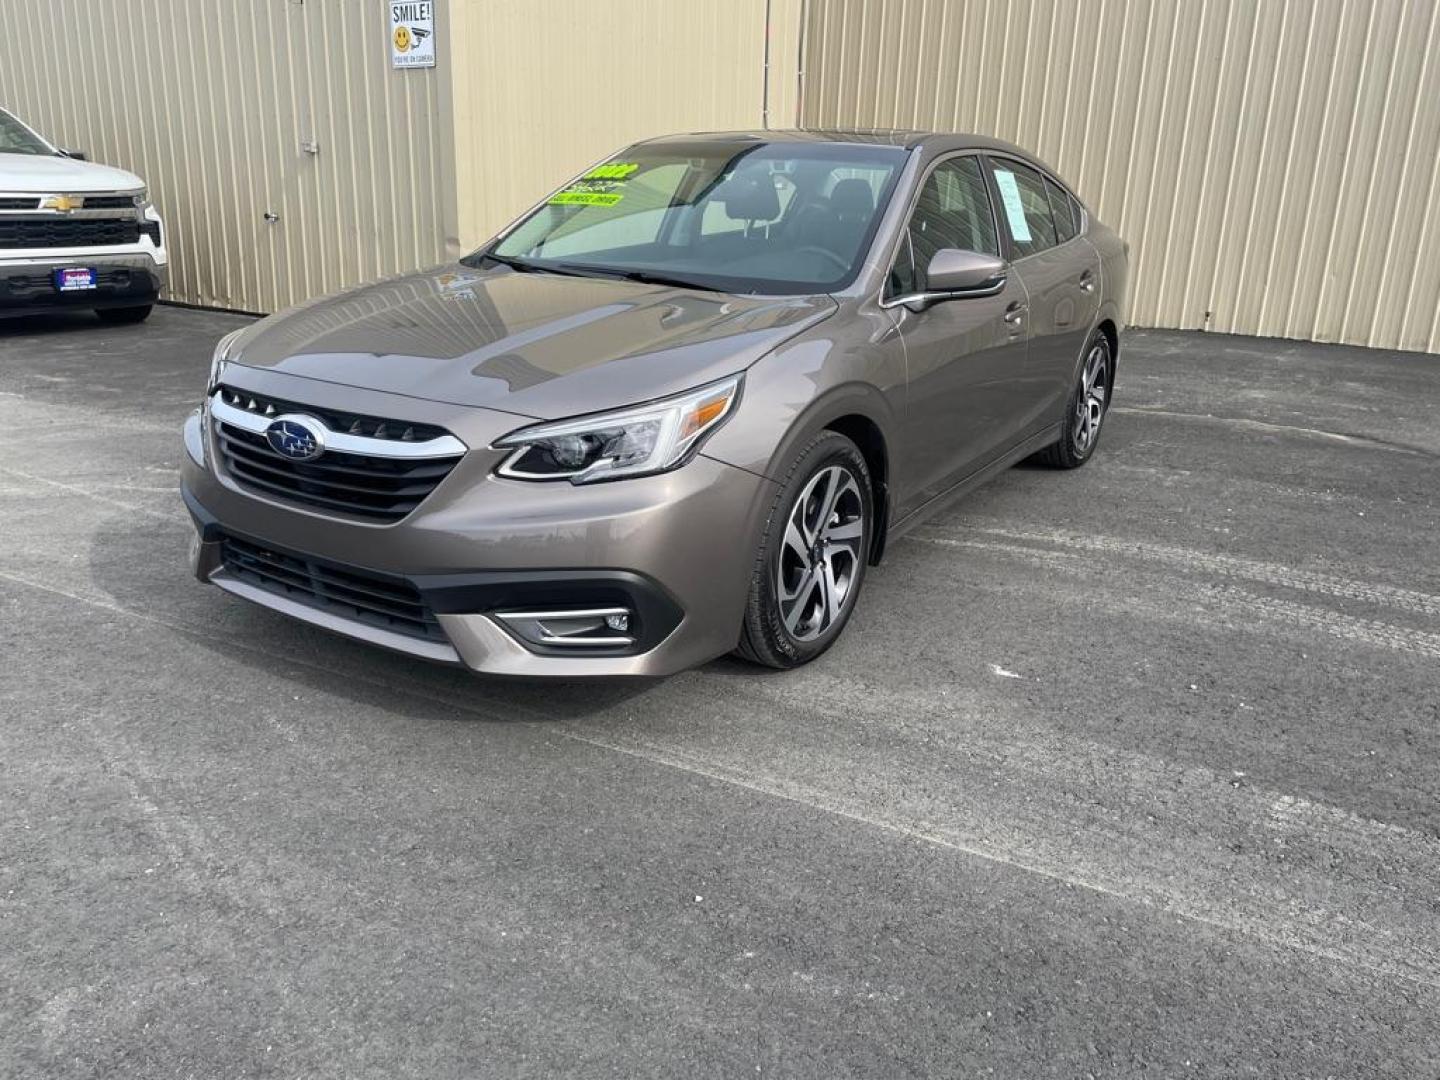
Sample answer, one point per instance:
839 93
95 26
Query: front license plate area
74 279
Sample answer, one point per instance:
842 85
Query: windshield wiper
524 266
647 277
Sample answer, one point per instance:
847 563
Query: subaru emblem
296 437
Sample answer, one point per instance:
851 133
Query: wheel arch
866 434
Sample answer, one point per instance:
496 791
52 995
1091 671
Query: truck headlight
644 439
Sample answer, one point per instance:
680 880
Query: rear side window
1062 210
1025 207
953 211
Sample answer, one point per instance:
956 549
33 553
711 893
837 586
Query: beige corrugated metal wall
546 87
209 102
1272 162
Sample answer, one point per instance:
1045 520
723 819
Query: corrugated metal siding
1272 162
543 88
209 103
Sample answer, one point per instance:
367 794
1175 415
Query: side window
1026 206
1060 209
953 211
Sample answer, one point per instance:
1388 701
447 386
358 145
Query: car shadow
64 322
145 570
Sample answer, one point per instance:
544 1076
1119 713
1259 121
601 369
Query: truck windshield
744 217
15 138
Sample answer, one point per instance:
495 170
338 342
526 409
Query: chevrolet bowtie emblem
61 202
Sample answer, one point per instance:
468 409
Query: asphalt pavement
1124 772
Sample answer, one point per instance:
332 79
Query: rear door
961 355
1061 274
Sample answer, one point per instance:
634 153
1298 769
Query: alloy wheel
1094 392
822 554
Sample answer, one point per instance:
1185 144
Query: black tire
124 316
785 632
1084 416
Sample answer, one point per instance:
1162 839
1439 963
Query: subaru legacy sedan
674 411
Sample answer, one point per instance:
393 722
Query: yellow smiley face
402 39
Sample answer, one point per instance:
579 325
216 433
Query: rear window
1062 209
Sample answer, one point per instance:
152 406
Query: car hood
48 175
538 345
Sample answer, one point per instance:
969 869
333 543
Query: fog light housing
571 628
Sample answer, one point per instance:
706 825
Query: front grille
369 486
379 600
27 202
67 232
108 202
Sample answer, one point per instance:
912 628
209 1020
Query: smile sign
412 34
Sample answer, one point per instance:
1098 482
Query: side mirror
78 155
964 273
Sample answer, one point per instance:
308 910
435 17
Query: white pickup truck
74 234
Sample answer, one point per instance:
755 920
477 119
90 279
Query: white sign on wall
412 33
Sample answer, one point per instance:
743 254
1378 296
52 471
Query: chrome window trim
914 201
446 446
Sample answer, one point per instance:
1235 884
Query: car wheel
124 315
1086 409
812 557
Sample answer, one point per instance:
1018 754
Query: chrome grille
373 476
379 600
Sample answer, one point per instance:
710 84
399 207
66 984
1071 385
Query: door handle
1087 281
1015 313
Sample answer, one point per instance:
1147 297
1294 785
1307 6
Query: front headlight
632 442
217 361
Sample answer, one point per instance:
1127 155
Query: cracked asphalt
1126 772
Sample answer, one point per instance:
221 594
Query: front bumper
676 550
128 277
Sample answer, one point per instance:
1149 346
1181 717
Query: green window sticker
615 170
573 197
596 187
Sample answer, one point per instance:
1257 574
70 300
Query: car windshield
16 138
775 218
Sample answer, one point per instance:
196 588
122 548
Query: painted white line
1188 559
1265 426
177 517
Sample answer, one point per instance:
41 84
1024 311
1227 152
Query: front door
963 355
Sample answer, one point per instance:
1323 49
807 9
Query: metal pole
800 61
765 84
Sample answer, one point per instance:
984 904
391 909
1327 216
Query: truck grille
66 232
108 202
369 486
379 600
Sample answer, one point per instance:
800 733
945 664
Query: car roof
905 138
